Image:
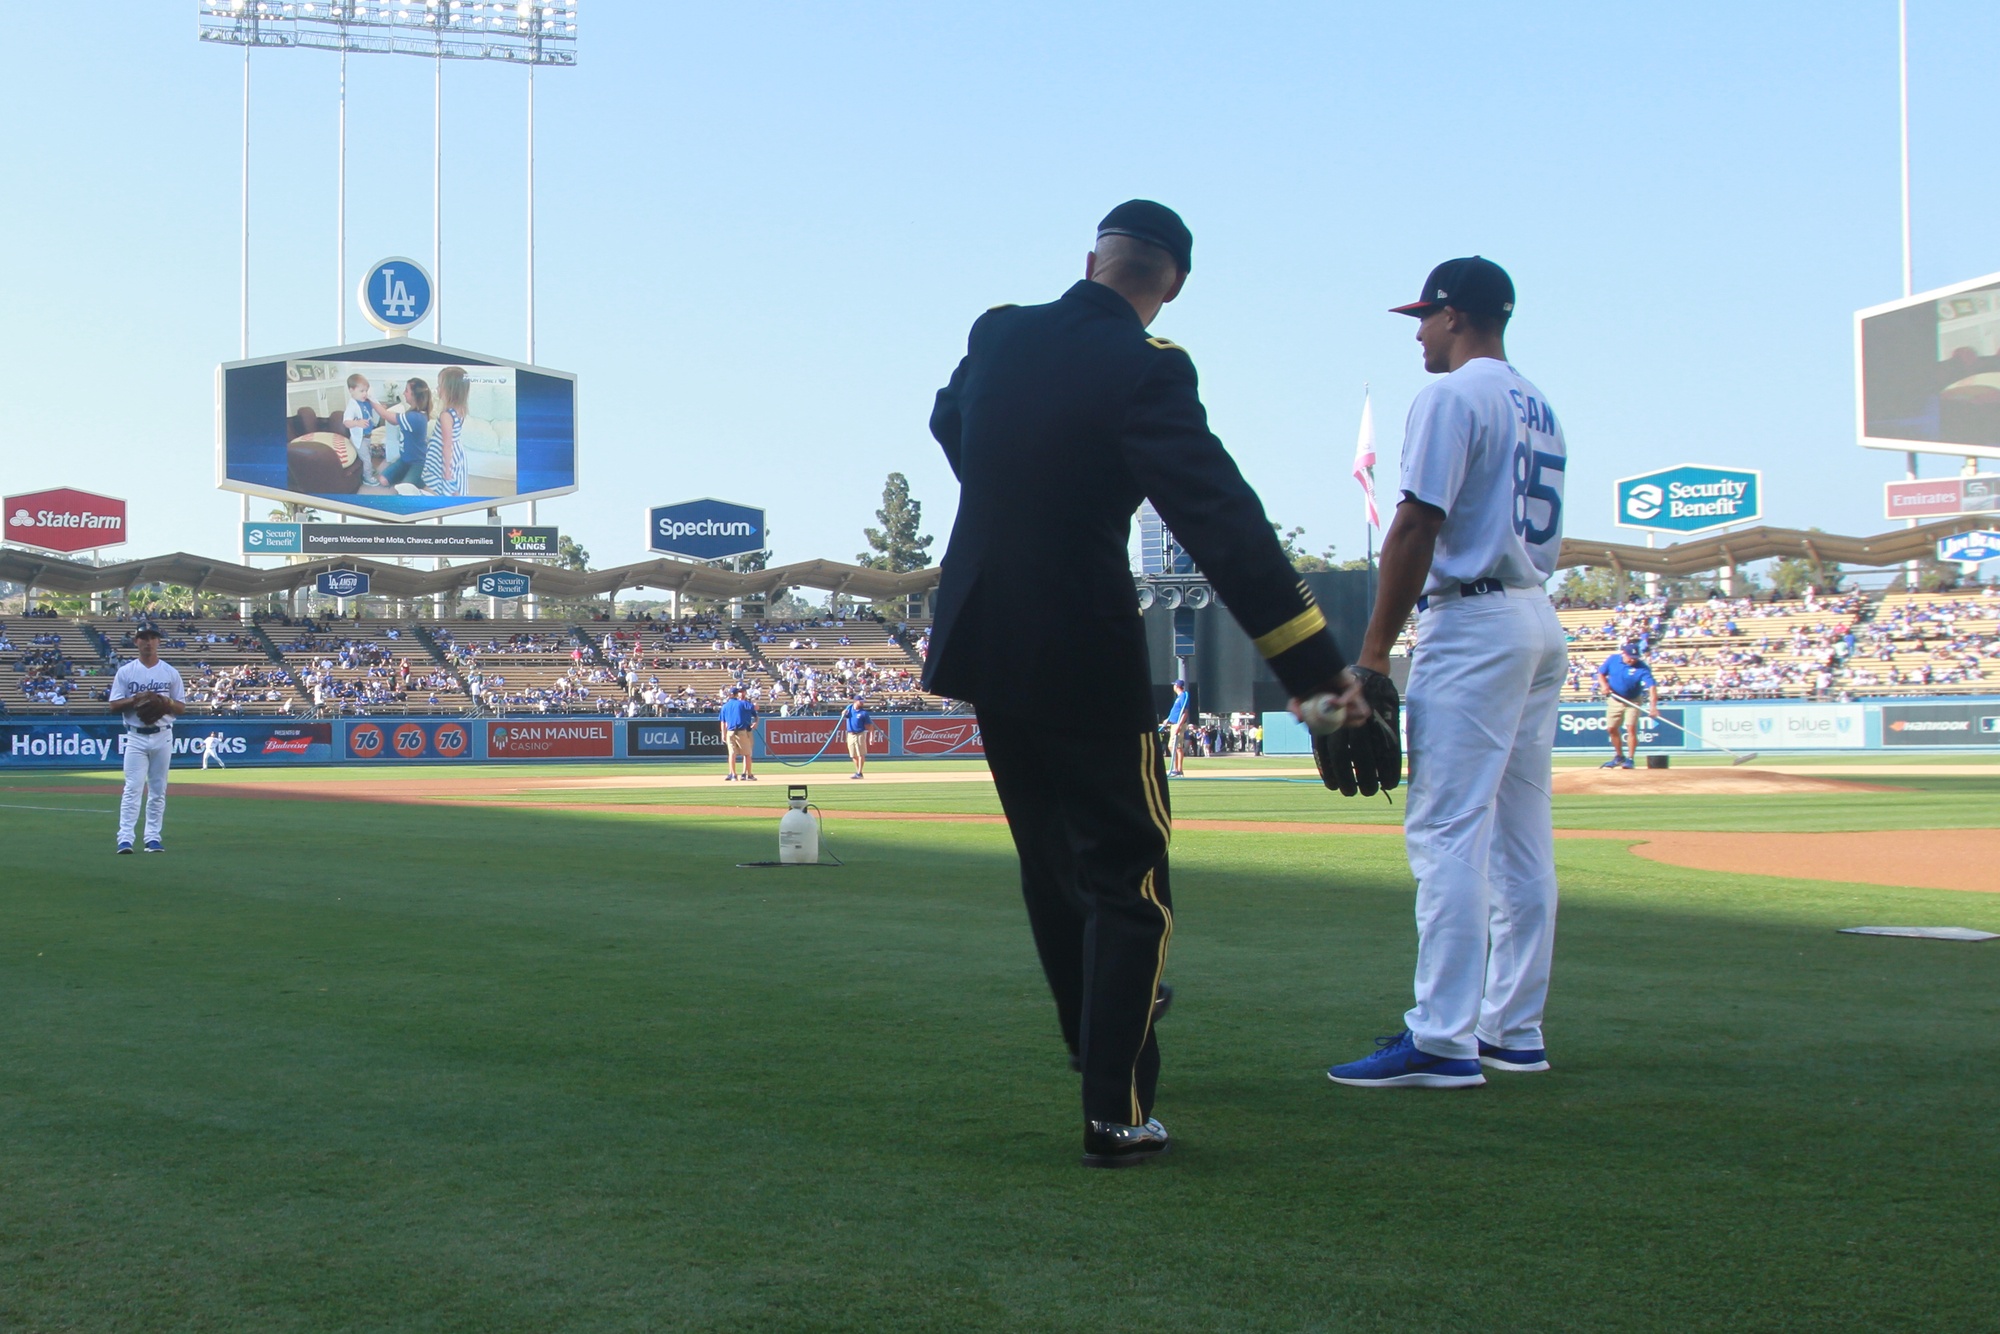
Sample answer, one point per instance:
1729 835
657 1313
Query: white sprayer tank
798 832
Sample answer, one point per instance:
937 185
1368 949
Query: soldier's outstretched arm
1217 518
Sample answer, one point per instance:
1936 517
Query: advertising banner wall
1941 724
578 738
939 736
1786 726
806 736
70 744
407 739
675 737
1585 727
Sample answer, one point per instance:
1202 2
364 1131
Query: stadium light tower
519 32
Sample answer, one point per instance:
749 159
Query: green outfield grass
345 1066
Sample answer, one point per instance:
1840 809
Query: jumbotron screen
395 430
1929 368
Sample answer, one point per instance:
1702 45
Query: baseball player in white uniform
211 749
1472 545
149 694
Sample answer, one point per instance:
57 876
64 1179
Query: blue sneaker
124 849
1398 1064
1520 1061
1625 763
154 845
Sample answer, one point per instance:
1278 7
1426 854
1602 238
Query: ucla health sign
1691 498
704 529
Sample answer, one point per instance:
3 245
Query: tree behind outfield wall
897 545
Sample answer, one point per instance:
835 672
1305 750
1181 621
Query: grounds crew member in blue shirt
854 719
1176 726
739 730
1626 680
1060 420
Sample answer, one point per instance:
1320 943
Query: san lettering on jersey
1483 445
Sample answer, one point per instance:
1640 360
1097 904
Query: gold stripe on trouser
1149 783
1156 806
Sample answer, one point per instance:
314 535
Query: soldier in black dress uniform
1059 421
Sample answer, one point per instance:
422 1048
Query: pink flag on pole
1364 458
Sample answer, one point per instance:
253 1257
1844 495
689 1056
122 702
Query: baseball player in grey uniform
1471 548
149 695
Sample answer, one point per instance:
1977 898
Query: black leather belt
143 731
1472 589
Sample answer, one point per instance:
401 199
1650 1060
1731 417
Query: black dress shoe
1108 1144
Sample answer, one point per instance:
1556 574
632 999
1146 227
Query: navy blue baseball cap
1474 285
1155 224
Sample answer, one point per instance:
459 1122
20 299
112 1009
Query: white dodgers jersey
1483 446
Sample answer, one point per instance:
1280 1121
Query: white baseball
1321 715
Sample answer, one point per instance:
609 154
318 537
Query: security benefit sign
1691 498
704 529
568 739
670 737
1932 725
503 584
1586 727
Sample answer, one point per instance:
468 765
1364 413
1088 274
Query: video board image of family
362 428
1931 371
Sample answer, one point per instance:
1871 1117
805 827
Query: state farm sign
65 520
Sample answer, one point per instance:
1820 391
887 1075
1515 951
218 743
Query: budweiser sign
65 520
936 736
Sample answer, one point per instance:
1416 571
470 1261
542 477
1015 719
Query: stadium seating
1827 647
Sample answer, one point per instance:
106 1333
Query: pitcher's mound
1715 781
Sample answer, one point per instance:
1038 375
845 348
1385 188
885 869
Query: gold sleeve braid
1293 632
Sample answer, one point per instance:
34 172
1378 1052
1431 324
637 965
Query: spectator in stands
739 727
1626 680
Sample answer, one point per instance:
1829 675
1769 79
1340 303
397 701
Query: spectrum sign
65 519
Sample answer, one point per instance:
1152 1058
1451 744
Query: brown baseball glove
151 710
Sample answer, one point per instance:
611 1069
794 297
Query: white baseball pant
1481 717
146 761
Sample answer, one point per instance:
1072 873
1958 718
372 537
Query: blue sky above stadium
764 230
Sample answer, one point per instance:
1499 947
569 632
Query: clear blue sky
765 228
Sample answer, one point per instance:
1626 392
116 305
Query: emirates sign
65 519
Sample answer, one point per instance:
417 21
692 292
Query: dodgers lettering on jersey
135 678
1483 445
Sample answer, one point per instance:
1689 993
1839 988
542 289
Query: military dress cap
1475 285
1155 224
